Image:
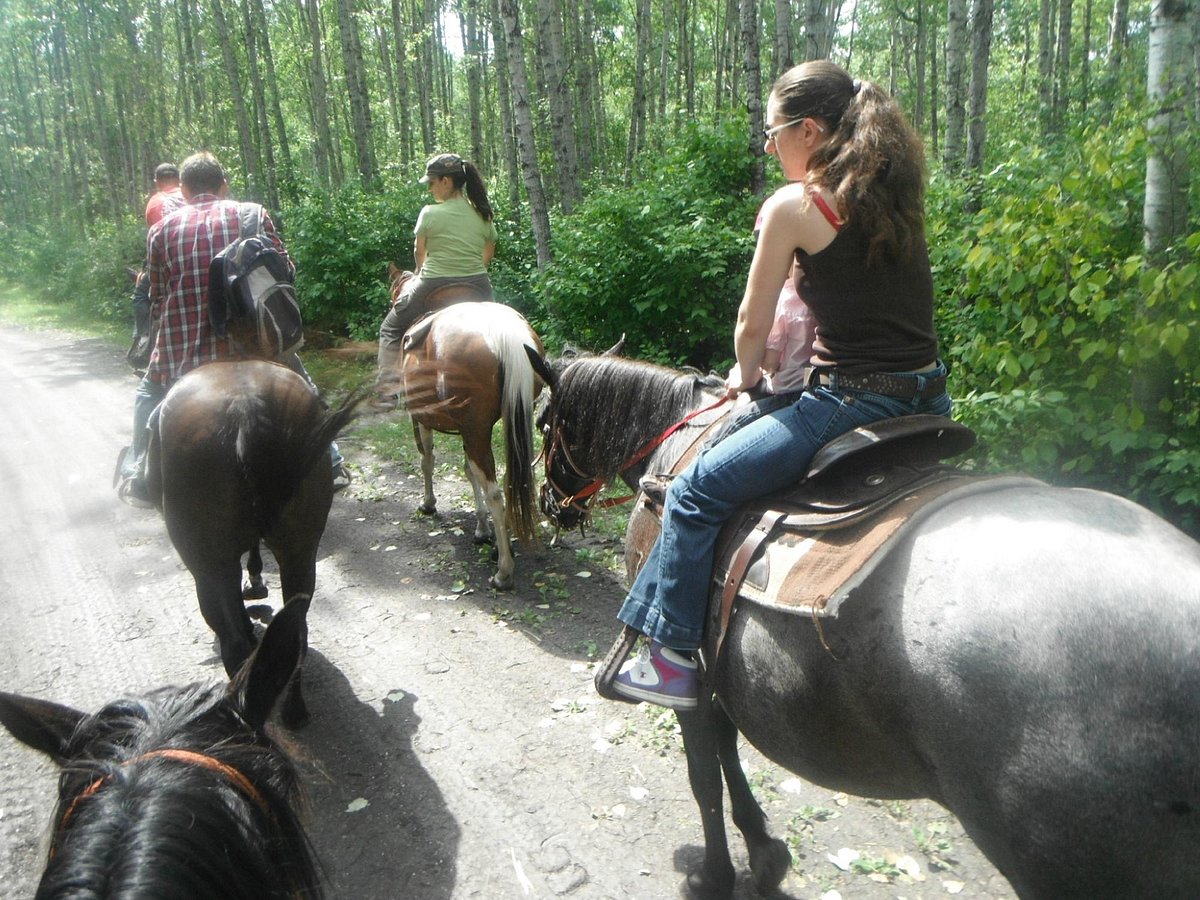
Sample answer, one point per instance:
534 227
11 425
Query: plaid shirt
180 248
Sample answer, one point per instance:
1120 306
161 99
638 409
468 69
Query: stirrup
608 668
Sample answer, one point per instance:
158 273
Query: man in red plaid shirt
179 249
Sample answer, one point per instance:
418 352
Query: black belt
902 387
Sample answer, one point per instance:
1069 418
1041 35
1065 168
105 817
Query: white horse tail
508 337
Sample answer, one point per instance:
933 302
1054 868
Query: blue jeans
145 401
669 597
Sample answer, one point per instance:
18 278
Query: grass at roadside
19 307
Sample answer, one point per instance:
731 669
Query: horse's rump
258 421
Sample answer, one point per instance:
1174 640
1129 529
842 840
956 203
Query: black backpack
250 294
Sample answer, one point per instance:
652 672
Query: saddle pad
812 572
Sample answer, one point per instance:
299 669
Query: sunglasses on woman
769 133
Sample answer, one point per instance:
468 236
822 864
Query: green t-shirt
455 235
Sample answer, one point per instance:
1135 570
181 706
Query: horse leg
424 438
218 589
481 470
714 880
484 533
254 588
297 576
769 857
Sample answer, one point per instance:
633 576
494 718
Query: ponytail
476 191
873 162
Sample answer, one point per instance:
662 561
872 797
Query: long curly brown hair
873 162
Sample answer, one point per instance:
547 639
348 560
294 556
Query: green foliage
77 268
342 245
663 261
1049 313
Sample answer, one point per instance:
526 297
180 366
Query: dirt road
457 749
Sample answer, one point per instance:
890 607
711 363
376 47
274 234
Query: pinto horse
436 299
1029 658
181 793
461 370
238 457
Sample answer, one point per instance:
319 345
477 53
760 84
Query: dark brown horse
1029 658
461 370
181 793
238 456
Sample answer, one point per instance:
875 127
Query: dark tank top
876 318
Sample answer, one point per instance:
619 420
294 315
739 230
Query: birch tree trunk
781 59
260 127
819 28
1165 214
272 85
1046 67
356 90
981 54
472 46
637 115
754 104
562 121
955 84
323 150
530 171
512 166
1118 37
1062 64
399 32
250 161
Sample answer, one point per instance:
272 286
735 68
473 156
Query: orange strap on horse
185 756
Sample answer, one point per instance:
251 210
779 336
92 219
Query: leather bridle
556 500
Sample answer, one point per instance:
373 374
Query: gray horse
1029 658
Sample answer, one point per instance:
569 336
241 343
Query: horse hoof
501 584
770 863
254 592
427 509
702 886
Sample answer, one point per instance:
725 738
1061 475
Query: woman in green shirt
455 240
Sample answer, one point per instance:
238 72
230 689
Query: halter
582 499
184 756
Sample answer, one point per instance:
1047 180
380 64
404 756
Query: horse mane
606 393
141 826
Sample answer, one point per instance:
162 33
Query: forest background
619 139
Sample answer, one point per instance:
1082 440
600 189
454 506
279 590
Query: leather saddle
800 549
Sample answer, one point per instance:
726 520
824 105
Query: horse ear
266 674
42 725
393 271
541 367
616 349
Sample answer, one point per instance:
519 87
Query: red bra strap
826 210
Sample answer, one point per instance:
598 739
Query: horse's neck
683 441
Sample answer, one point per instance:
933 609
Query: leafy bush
341 246
663 262
1049 313
77 268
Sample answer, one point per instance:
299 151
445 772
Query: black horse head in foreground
180 793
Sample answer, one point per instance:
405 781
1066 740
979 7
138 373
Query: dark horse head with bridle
181 793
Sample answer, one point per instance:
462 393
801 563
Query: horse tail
276 449
516 408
